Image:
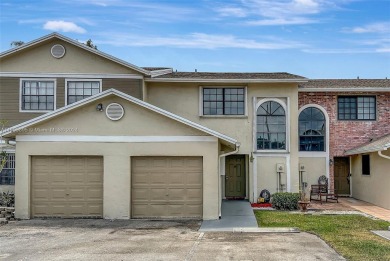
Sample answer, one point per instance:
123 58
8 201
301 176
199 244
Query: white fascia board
201 80
360 89
113 139
156 73
76 43
75 105
70 75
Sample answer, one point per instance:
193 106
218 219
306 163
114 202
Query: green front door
235 176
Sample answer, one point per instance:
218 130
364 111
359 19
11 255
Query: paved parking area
150 240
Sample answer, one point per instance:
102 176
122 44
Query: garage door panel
67 186
194 178
157 178
56 177
166 187
94 194
95 177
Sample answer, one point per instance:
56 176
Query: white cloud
232 11
199 41
383 50
63 27
339 51
383 27
282 21
279 12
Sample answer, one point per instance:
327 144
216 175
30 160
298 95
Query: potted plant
304 201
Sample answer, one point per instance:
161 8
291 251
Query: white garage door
166 187
67 186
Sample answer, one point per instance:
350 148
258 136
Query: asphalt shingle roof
229 75
346 83
381 143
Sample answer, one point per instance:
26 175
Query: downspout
383 156
219 174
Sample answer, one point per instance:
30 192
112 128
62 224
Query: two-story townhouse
348 113
97 136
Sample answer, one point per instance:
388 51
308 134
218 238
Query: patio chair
321 192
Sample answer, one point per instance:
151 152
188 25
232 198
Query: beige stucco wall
267 177
117 166
315 167
373 188
137 121
183 99
39 59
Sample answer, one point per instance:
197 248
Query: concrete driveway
150 240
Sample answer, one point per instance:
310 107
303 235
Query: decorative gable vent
58 51
115 111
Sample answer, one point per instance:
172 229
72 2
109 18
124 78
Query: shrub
7 199
285 201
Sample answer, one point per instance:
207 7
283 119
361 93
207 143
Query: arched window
271 126
312 125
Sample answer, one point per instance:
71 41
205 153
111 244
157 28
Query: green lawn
349 235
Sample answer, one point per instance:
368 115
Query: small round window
115 111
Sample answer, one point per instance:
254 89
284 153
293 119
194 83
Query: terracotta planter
303 205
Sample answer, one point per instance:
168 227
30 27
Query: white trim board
203 80
127 97
114 139
360 89
71 75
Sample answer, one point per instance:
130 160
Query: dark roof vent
58 51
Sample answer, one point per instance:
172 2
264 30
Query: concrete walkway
367 208
236 215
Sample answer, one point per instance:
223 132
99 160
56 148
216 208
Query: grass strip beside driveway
349 235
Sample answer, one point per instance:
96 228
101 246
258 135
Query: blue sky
312 38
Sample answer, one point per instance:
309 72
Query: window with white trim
37 95
7 175
271 126
312 125
81 89
223 101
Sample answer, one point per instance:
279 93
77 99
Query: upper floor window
271 126
356 108
80 89
223 101
312 125
7 175
37 95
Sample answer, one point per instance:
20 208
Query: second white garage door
166 187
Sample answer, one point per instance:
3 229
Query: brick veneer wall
345 135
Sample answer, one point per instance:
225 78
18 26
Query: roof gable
53 36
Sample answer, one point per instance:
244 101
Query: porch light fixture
99 107
330 162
